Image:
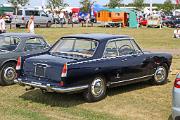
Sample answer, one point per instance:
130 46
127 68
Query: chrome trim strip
131 79
49 88
102 59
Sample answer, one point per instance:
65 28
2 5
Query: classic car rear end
51 72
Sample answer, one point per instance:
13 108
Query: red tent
75 10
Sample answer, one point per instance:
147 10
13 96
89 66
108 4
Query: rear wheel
161 75
8 74
48 24
97 89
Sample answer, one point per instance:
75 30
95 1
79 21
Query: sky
76 2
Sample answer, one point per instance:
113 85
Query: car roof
20 35
99 36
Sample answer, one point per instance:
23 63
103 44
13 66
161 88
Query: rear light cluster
177 83
63 74
64 71
18 65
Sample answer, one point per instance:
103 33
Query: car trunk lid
46 67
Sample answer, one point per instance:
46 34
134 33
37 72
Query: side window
136 47
35 44
36 13
15 40
111 50
32 12
44 14
19 12
125 47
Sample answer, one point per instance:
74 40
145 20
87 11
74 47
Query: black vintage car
13 45
90 63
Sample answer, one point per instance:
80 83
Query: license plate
40 70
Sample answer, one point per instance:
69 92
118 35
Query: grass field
139 101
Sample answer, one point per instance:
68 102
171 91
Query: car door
35 45
44 17
126 60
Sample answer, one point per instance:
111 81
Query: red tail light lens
18 65
22 18
177 83
64 71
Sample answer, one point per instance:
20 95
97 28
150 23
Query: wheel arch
9 61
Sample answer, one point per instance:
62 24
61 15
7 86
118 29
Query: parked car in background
172 22
176 99
40 17
143 22
91 63
13 45
154 21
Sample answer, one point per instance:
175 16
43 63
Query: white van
40 17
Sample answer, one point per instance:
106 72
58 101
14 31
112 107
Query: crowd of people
65 17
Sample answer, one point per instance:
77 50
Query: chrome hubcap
160 74
97 87
9 73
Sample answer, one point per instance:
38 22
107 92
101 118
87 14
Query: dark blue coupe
90 63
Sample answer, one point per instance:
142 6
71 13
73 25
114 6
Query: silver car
176 99
23 16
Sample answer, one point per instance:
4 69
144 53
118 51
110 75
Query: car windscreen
75 47
8 43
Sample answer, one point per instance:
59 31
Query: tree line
167 6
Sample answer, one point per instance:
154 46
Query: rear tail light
18 65
64 71
177 83
22 18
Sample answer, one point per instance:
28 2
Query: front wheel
97 90
160 75
7 74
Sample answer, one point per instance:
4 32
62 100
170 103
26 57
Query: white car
40 17
176 99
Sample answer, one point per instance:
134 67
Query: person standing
31 24
2 24
62 18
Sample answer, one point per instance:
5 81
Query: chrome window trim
130 39
104 58
82 39
131 79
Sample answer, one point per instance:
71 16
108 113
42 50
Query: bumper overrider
50 88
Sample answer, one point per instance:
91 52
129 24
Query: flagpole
151 6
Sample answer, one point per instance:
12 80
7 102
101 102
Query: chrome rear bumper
49 88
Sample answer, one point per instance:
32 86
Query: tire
18 26
160 75
92 95
7 74
48 24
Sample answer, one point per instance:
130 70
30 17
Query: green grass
140 101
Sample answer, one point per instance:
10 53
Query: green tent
132 17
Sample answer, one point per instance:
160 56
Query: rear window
8 43
75 47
